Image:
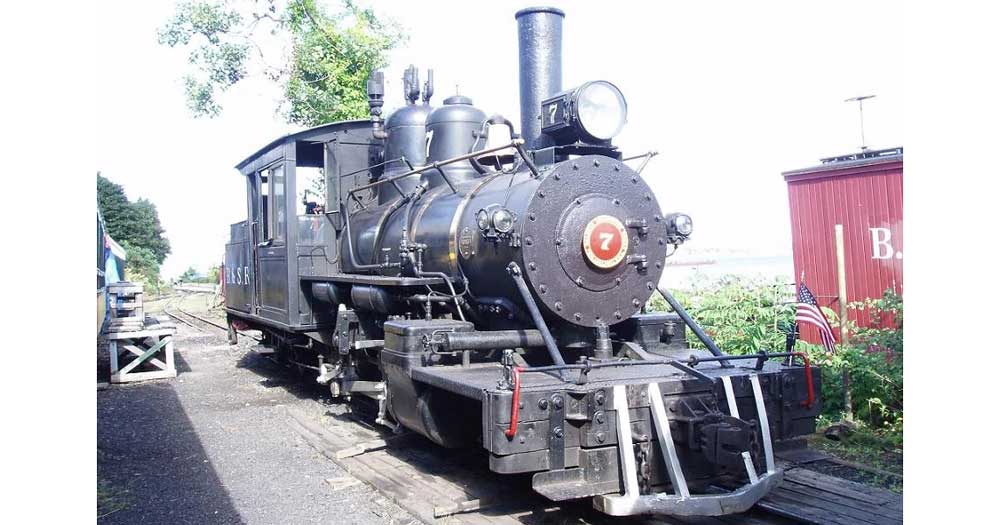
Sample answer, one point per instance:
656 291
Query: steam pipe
702 336
536 315
493 340
539 38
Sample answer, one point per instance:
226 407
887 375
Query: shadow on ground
151 466
288 378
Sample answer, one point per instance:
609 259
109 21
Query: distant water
745 266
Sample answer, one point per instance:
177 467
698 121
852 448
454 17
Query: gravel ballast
213 446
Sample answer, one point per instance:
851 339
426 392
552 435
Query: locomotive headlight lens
483 220
601 109
679 226
683 224
503 220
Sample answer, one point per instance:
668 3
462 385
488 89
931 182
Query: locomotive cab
487 288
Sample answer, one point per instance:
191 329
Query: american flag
807 311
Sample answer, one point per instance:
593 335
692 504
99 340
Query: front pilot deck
470 381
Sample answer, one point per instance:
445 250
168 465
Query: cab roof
318 134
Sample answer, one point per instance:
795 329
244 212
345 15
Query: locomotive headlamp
503 220
601 109
483 220
679 227
593 113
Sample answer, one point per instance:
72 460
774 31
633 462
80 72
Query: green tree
141 265
148 231
321 58
213 274
136 223
189 275
136 226
115 208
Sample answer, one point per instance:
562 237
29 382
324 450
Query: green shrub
874 360
747 315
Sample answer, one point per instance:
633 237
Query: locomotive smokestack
539 37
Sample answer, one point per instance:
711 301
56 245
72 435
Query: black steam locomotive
486 287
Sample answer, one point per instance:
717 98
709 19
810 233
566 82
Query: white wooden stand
144 346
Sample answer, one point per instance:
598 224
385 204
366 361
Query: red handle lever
515 404
810 395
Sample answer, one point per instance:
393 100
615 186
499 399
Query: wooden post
838 232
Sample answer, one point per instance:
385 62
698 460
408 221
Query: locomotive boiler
485 285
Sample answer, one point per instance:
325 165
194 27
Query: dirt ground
213 446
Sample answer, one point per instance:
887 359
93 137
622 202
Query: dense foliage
875 362
743 315
321 58
136 226
746 315
141 265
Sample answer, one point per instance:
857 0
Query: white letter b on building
881 249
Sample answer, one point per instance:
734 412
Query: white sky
730 94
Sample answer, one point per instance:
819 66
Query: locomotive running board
682 503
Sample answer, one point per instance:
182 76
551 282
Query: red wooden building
863 192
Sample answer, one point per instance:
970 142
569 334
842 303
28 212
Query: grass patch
110 499
878 454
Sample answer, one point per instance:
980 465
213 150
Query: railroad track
447 486
179 314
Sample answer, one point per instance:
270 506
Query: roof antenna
861 111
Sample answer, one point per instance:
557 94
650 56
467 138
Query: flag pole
838 233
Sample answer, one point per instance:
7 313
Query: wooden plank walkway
434 484
440 486
820 498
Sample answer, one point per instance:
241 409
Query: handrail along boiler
488 288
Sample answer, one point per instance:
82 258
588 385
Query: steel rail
206 321
185 321
202 319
